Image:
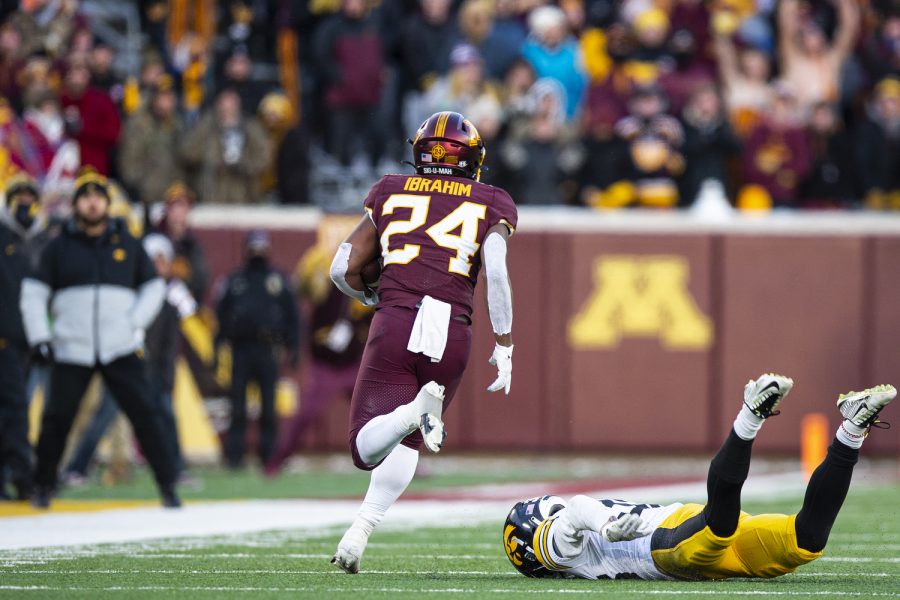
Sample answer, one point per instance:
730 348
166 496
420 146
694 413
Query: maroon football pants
390 375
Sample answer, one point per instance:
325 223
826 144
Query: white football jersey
586 554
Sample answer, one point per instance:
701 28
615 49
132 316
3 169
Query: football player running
594 539
433 231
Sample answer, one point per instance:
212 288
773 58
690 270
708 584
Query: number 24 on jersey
465 217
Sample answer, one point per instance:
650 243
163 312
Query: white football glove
502 359
627 527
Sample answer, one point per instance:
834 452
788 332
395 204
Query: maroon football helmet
448 144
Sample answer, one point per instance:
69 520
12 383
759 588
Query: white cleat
862 408
763 395
428 406
350 550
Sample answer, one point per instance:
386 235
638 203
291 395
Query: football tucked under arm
371 274
339 270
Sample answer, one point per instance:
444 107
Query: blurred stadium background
706 189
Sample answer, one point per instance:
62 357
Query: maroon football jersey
431 230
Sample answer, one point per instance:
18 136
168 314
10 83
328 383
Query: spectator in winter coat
776 152
189 263
147 162
226 153
349 54
91 118
877 147
497 46
20 235
288 171
832 180
708 142
555 54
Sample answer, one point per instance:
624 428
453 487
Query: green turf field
335 476
862 560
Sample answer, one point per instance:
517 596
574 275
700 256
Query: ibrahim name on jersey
431 229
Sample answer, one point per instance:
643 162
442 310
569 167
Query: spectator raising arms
745 81
808 62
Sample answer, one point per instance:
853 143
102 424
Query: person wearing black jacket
85 309
257 317
161 345
18 228
348 54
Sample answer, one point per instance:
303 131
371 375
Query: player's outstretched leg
729 468
388 481
382 434
830 482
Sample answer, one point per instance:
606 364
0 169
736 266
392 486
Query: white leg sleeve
499 293
388 481
380 436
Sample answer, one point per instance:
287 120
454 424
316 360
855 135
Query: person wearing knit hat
19 234
554 53
189 264
85 310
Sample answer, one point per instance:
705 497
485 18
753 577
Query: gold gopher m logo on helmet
438 152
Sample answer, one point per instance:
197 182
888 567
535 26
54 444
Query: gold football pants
762 546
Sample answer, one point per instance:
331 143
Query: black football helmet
518 533
448 144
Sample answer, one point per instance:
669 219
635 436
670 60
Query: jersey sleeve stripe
542 547
509 226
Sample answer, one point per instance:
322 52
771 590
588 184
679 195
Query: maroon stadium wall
638 332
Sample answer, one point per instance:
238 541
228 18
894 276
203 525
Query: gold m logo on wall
641 296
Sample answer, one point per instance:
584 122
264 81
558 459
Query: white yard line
359 590
303 517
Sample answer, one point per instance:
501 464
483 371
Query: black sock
825 494
727 473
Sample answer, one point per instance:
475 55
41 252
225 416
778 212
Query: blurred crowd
602 103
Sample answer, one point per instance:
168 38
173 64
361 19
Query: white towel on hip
429 331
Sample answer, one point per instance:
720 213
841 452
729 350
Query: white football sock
850 434
388 481
746 424
380 436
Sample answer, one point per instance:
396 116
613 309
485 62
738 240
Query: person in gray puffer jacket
102 292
